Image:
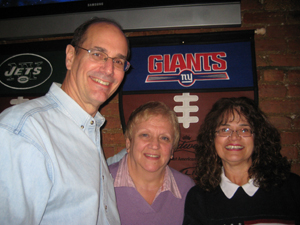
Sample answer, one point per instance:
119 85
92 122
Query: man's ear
127 145
70 55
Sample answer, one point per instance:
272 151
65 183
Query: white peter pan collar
230 188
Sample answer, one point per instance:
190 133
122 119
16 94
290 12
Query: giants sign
189 73
192 67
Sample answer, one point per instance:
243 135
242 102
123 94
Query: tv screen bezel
91 5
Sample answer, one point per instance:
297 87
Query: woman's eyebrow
242 124
224 124
245 124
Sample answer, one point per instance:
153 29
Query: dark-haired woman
241 176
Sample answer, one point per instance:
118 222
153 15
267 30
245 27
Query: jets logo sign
189 74
27 70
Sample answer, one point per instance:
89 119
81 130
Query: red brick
259 75
261 60
291 152
112 108
111 151
273 75
294 45
282 5
250 4
294 75
110 139
263 18
296 123
280 106
290 138
108 151
286 31
278 91
281 122
271 45
294 90
112 123
284 60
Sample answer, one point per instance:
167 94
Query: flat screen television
24 8
41 18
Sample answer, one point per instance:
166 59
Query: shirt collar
230 188
72 109
123 179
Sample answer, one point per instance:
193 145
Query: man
52 167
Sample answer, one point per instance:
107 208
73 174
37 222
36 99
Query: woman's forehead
232 115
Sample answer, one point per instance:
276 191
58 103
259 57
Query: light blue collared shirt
52 167
117 157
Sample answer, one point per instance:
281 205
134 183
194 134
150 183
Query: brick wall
278 70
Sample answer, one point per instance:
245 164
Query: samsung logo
25 71
95 4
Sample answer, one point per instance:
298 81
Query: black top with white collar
281 205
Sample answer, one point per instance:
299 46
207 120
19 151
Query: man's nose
109 66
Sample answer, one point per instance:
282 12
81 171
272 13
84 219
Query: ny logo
186 77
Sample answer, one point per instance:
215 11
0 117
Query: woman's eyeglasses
226 132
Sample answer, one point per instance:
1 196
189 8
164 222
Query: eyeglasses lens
119 63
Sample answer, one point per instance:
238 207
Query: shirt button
105 207
92 122
82 126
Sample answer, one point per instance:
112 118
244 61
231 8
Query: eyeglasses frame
126 64
237 132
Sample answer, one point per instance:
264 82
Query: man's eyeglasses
100 56
226 132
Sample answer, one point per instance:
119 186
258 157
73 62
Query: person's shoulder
17 115
28 105
198 194
117 157
294 179
197 190
178 174
294 176
23 108
182 178
198 200
114 166
291 186
195 193
292 183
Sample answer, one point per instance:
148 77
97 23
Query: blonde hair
148 110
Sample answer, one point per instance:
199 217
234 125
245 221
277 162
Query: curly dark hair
268 167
